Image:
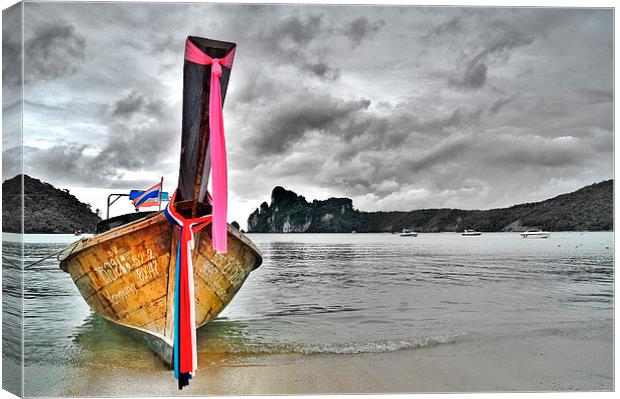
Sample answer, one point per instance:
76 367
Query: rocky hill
46 208
589 208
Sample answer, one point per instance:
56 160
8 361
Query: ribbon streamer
217 142
185 352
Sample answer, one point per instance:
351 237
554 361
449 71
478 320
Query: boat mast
161 190
195 158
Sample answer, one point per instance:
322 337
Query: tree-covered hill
589 208
46 208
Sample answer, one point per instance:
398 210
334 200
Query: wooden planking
144 295
139 276
157 325
211 276
101 307
208 300
202 314
86 285
126 292
148 302
128 285
145 314
126 252
234 270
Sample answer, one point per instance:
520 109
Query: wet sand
548 360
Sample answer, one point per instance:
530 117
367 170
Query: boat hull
543 235
126 275
408 234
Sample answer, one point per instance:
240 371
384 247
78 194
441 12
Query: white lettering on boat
121 294
118 265
148 271
212 277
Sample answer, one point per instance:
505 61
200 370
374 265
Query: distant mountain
46 208
589 208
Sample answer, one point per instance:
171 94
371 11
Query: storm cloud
361 28
399 108
55 50
471 73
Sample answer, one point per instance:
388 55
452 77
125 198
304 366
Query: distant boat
535 234
469 233
408 233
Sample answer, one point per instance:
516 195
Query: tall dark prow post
195 158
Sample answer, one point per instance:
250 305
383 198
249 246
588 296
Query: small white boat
535 234
408 233
471 233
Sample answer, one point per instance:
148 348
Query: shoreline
556 359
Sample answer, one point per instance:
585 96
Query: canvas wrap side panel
12 200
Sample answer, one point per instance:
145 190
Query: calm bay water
337 293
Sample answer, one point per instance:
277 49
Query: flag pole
161 189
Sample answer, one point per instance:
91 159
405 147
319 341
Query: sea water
331 293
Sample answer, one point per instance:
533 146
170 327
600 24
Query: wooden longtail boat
127 273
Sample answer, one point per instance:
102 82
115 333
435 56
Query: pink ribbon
216 140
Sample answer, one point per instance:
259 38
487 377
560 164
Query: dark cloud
12 94
305 114
133 103
52 164
290 41
128 105
451 26
500 103
299 30
361 29
322 70
258 86
12 45
53 51
473 76
445 152
128 149
404 130
57 161
497 44
293 40
459 117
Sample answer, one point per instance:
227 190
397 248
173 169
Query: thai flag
148 197
148 202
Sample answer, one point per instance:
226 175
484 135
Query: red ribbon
185 330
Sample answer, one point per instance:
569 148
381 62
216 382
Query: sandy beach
563 359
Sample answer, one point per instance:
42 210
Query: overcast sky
398 108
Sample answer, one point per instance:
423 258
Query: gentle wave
379 346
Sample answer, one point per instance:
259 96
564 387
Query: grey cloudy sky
398 108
